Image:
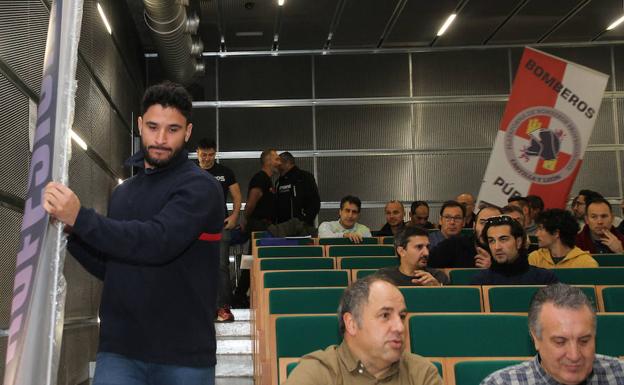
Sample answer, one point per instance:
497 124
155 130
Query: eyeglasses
500 220
449 218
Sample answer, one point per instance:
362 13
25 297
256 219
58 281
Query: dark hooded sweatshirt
519 272
157 252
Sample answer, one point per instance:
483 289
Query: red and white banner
542 138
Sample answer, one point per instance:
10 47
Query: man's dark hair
401 238
524 202
168 94
351 199
265 154
516 229
206 144
562 220
535 202
590 194
562 296
417 204
287 157
355 297
453 204
510 209
594 201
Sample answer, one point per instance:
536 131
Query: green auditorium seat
289 251
462 276
284 241
314 263
470 335
346 241
260 234
517 298
442 299
388 241
304 300
367 262
606 260
363 273
296 336
361 251
290 367
473 372
591 276
613 298
438 366
306 278
609 336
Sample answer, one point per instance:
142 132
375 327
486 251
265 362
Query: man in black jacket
298 200
157 252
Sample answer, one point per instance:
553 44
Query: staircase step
233 329
234 381
241 314
234 365
234 346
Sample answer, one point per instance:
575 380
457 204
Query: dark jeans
115 369
224 296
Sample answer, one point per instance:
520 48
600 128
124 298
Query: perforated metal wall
10 222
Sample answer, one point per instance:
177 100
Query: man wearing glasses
451 222
504 239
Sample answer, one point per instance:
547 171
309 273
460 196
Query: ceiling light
104 19
78 140
615 23
446 24
280 2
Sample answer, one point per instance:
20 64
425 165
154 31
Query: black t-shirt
265 207
401 279
225 177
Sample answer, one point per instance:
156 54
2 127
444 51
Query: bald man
468 201
395 212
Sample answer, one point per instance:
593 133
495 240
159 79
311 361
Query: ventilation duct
172 32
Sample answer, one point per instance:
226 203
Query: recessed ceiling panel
248 25
419 22
305 24
362 23
533 21
477 20
588 22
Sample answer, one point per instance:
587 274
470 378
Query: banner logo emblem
543 145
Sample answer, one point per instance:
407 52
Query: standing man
260 207
298 200
395 212
157 252
598 235
206 154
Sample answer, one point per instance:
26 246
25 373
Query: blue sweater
160 279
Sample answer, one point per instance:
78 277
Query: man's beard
158 163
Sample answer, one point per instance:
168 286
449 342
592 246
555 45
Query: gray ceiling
250 25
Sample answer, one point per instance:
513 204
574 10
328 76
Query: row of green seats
578 276
333 251
306 263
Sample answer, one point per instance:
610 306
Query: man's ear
350 323
536 341
189 130
140 124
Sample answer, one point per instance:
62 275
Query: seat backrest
609 336
347 241
470 335
284 241
306 278
591 276
366 262
473 372
362 273
300 335
606 260
387 241
304 300
517 299
290 251
462 276
613 298
442 299
313 263
360 251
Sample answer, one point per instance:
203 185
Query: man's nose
398 325
573 352
161 136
